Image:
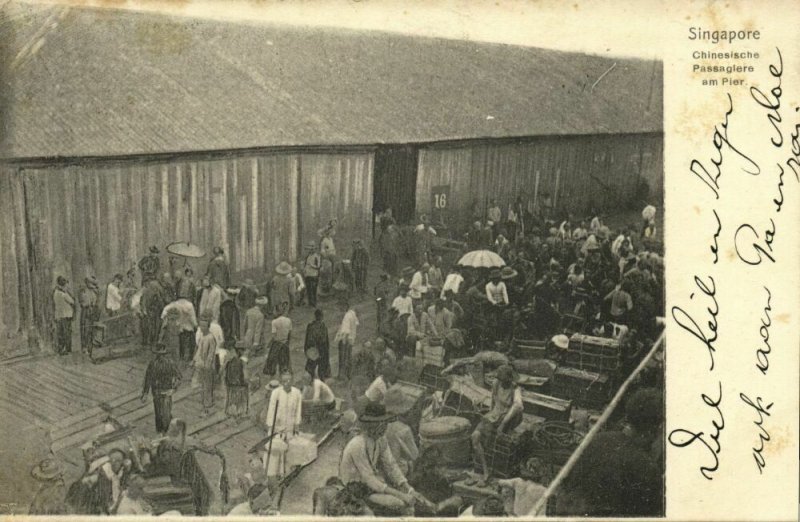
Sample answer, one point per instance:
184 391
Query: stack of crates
530 349
595 354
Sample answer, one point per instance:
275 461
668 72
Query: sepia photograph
258 267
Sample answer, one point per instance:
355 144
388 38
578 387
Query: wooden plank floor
50 389
67 397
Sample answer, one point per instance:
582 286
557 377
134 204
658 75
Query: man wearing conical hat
161 378
50 497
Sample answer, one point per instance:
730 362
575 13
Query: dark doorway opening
395 182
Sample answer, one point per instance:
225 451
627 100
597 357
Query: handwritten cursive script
682 438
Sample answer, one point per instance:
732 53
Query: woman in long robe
317 337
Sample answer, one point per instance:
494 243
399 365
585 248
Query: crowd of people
555 276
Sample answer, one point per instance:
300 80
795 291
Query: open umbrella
185 249
481 259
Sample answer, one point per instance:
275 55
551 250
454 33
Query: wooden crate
594 345
430 354
584 388
530 349
547 407
433 379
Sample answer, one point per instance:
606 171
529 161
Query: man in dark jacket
237 402
150 265
64 313
317 337
152 305
360 260
218 269
161 378
90 312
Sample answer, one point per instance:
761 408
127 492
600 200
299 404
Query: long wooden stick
272 435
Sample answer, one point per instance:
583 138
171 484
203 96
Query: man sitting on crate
367 458
504 415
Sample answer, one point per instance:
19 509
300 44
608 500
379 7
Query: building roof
94 82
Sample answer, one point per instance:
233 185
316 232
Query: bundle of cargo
466 399
547 407
535 367
530 349
584 388
599 354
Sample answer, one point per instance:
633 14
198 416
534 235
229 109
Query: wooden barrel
451 435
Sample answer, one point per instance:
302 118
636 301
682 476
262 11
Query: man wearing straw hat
311 266
367 458
161 378
50 498
282 286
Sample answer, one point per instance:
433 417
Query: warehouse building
122 130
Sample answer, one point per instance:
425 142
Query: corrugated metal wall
578 173
100 219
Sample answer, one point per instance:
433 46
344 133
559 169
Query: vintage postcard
418 259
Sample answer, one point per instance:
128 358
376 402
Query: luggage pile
596 354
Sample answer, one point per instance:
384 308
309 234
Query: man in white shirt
314 389
180 316
289 403
494 214
114 296
452 282
496 291
210 299
419 282
345 339
387 376
403 302
216 330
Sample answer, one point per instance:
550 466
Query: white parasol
481 259
185 249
